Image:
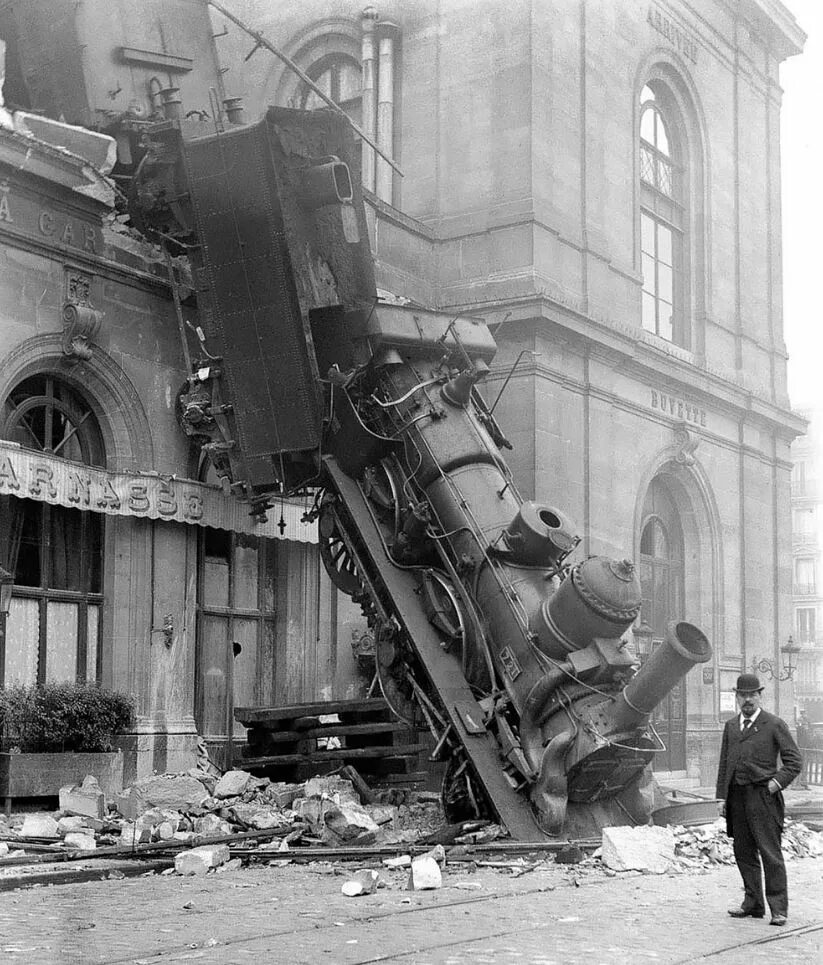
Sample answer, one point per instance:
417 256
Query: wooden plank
337 754
258 715
335 730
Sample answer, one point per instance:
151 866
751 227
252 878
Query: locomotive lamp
790 650
642 640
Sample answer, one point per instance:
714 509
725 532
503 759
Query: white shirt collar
753 718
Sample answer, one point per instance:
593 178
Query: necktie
746 724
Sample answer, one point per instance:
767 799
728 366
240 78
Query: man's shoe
778 920
748 913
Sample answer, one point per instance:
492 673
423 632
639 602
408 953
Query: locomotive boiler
487 629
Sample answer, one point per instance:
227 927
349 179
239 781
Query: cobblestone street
293 914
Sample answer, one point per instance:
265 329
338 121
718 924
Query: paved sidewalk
295 914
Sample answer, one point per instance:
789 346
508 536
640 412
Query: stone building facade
598 179
807 545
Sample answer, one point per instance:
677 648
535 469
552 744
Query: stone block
83 799
283 795
232 784
260 817
638 849
165 831
212 826
339 790
200 860
185 836
425 874
132 835
349 822
77 841
171 792
4 849
362 883
38 826
73 823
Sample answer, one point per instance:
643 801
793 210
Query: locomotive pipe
683 647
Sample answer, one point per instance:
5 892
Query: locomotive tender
485 628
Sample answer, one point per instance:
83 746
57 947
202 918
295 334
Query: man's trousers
757 827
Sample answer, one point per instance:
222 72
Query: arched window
55 553
663 217
339 77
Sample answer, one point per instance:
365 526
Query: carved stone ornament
686 442
81 322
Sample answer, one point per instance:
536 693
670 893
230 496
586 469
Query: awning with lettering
36 475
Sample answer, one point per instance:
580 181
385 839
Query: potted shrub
52 735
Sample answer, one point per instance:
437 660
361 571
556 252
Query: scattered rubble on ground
208 823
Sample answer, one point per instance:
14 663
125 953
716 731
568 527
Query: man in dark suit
750 785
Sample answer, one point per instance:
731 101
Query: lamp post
790 650
6 585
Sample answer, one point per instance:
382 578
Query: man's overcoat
753 756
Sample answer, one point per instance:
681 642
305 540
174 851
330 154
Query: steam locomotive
486 628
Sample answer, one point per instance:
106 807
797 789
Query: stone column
368 20
385 108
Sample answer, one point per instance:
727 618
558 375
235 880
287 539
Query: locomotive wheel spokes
335 553
443 609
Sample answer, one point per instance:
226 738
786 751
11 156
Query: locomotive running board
513 810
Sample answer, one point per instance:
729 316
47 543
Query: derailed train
485 629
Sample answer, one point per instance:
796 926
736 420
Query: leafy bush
62 717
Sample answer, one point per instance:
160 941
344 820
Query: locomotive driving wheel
334 550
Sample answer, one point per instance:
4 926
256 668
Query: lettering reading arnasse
678 408
678 38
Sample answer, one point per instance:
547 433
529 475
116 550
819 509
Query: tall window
804 576
55 553
806 624
662 218
339 77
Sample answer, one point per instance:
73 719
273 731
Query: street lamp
790 650
6 585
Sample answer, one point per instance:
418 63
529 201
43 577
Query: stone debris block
73 823
260 817
4 849
133 834
211 825
200 860
282 794
38 826
348 823
234 865
77 841
185 836
312 810
165 831
438 853
83 799
170 792
638 849
232 784
383 814
402 861
332 786
363 883
425 874
570 854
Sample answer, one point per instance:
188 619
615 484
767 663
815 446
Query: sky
802 173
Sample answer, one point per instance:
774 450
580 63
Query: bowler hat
748 682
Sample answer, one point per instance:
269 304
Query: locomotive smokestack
683 647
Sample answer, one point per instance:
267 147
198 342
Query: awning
36 475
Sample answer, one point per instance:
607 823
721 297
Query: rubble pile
195 809
708 844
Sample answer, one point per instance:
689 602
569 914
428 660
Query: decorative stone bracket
80 324
686 442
